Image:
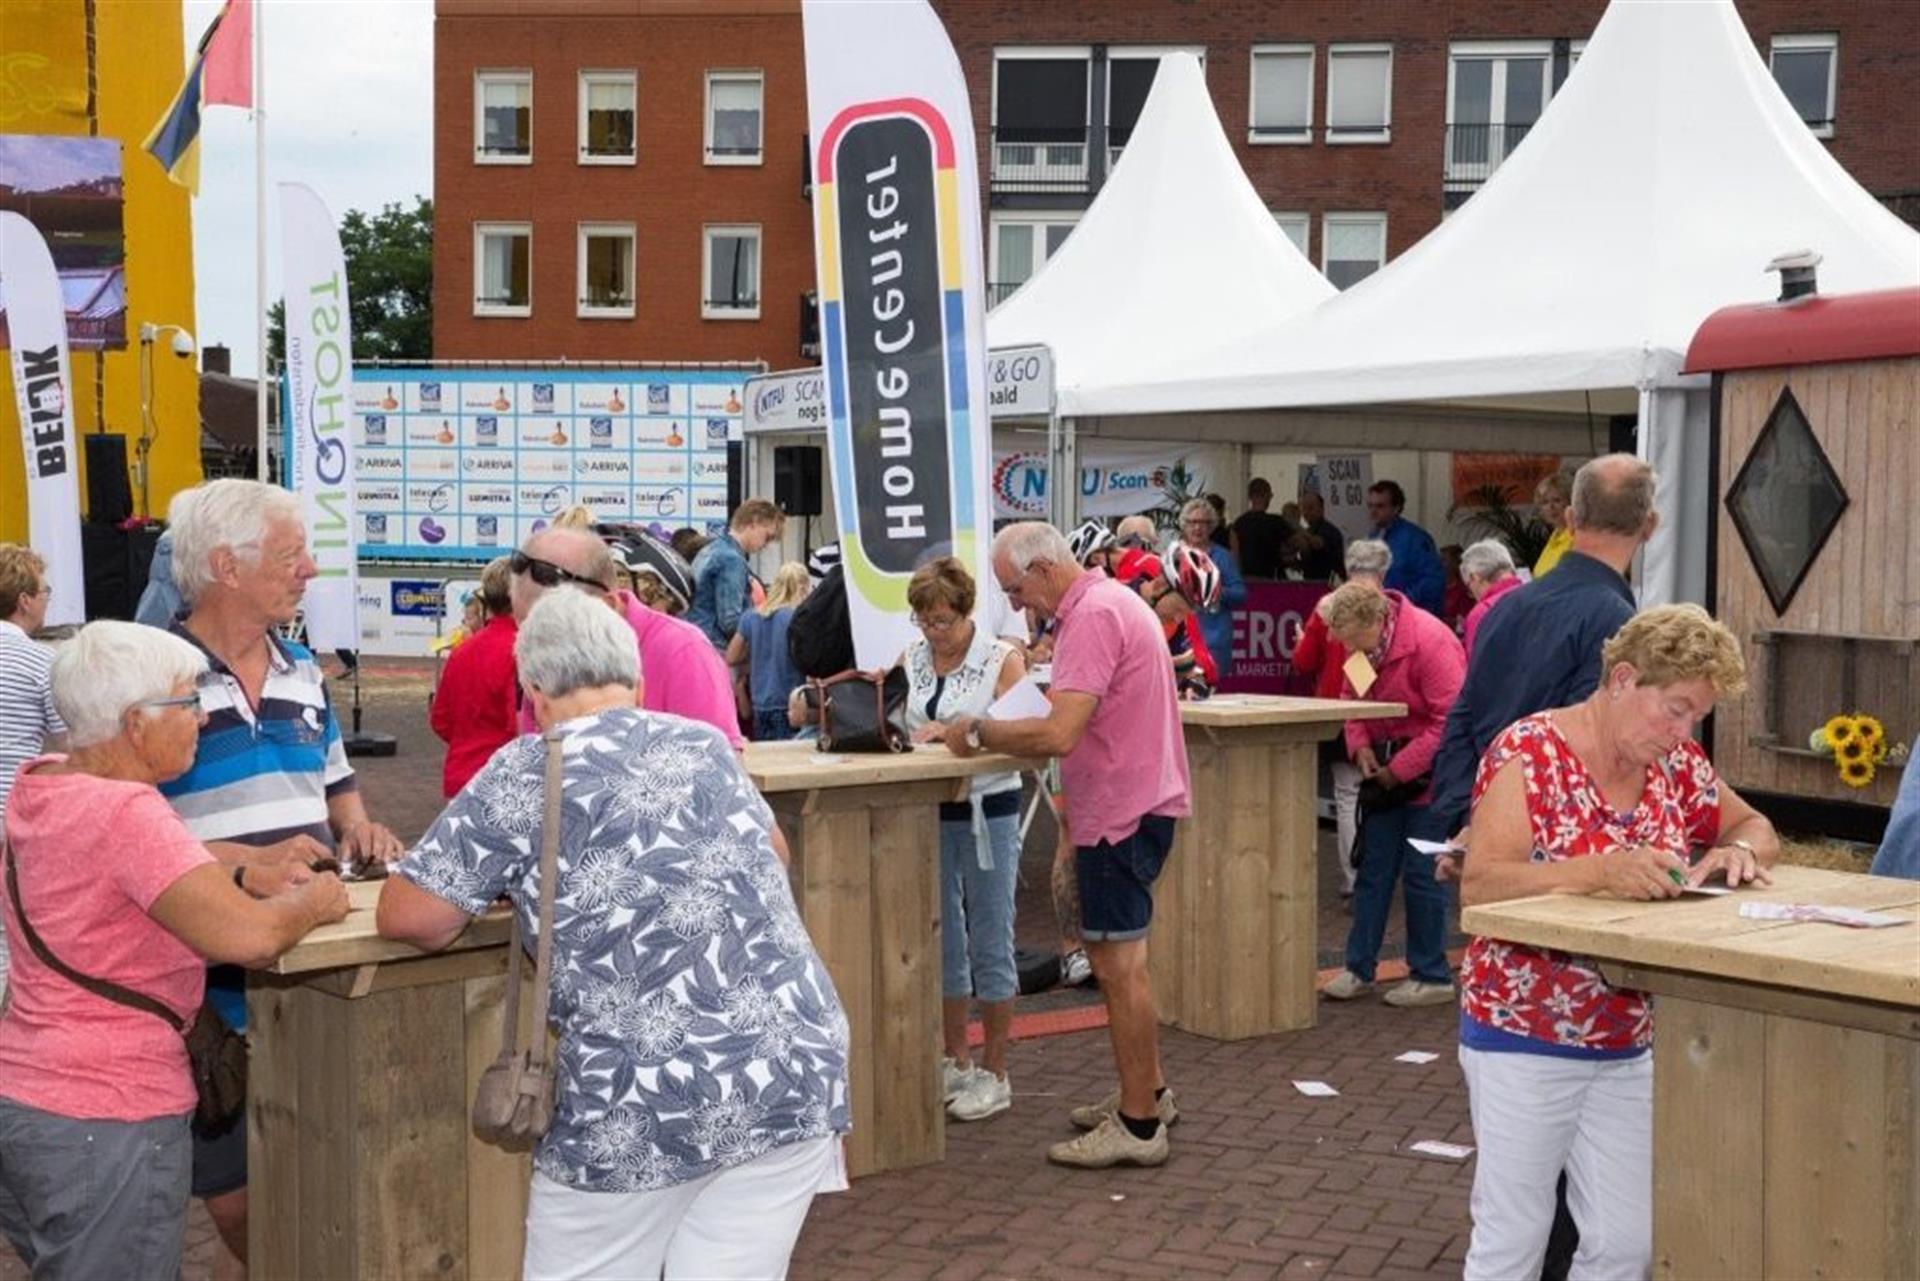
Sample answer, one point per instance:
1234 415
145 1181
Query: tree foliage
389 282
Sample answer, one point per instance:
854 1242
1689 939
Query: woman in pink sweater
1417 661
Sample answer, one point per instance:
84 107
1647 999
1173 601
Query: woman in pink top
1487 569
95 1095
1417 660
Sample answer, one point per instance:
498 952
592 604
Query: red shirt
476 708
1320 656
1553 996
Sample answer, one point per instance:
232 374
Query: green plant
1181 488
1488 514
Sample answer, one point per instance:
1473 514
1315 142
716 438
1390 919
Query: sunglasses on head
547 574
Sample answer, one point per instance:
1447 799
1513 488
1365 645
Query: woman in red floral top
1607 797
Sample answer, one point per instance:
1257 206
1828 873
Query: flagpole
260 228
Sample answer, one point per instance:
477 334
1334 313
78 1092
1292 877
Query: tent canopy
1175 256
1663 177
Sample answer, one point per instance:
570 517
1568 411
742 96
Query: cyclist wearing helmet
1177 585
1093 545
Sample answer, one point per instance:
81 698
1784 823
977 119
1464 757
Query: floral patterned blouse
698 1027
1553 997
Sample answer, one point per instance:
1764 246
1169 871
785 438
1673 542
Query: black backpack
820 638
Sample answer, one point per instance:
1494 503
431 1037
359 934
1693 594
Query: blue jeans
770 724
976 911
1384 857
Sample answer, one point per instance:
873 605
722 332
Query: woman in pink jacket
1418 661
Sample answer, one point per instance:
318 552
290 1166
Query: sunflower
1870 729
1854 749
1840 730
1880 752
1817 742
1856 773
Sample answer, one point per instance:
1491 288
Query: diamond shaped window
1786 501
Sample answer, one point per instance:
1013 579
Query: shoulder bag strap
99 987
549 857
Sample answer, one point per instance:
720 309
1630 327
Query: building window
1495 93
1352 246
1282 99
503 269
503 117
1041 104
1804 67
606 117
606 270
1295 225
1359 93
734 117
1130 72
1020 247
731 268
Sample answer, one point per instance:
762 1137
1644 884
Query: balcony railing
999 291
1050 160
1475 151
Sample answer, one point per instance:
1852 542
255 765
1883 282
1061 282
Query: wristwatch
973 734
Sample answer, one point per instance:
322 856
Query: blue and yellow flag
221 73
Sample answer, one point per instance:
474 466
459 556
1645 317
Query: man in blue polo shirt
1540 650
1417 572
270 789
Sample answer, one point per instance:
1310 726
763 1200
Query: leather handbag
217 1055
860 711
513 1103
1374 797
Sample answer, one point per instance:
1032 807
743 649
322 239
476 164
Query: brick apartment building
626 179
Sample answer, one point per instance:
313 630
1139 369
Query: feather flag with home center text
221 75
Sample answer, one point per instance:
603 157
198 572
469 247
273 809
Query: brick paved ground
1264 1182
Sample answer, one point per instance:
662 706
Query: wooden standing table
1235 939
1786 1070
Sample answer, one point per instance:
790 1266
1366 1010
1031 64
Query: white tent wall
1675 436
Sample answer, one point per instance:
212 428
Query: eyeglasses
937 624
185 700
548 574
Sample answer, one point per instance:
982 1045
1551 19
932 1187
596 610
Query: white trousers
738 1224
1346 807
1534 1116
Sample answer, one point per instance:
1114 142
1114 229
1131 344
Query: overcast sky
349 94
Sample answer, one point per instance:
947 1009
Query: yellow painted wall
139 54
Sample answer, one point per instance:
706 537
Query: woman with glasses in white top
955 669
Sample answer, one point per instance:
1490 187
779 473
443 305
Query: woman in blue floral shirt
702 1060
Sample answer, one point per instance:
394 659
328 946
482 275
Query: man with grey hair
1115 727
1137 533
270 780
1541 650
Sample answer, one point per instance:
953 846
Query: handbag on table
859 711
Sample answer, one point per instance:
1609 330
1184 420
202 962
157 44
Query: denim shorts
1116 881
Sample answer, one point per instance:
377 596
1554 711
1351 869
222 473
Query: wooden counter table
365 1051
1235 944
1786 1070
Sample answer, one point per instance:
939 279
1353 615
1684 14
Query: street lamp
183 347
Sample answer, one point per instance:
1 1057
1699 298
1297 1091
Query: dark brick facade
670 193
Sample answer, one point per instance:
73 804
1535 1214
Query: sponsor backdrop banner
462 464
43 387
320 409
1265 631
1343 484
1116 478
1514 475
897 250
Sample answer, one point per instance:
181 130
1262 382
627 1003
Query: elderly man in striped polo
270 783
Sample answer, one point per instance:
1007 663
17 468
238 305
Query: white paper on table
1416 1056
1021 703
1433 1147
1435 848
1712 891
1316 1089
1851 917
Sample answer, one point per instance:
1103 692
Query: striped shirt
263 774
27 718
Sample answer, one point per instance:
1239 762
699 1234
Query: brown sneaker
1089 1116
1110 1143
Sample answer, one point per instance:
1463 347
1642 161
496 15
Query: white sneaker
1075 968
983 1096
955 1076
1345 986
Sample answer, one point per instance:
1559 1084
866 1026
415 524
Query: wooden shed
1814 559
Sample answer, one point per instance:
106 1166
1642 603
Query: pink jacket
1500 588
1424 668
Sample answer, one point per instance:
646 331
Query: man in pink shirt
1115 725
683 674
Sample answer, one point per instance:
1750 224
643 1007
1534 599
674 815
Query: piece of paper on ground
1021 703
1416 1056
1316 1089
1433 1147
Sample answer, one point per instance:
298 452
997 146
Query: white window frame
587 79
1500 52
1286 217
589 230
481 230
1139 53
1351 218
734 75
1372 137
1824 40
707 234
1271 138
481 79
1038 218
1037 53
